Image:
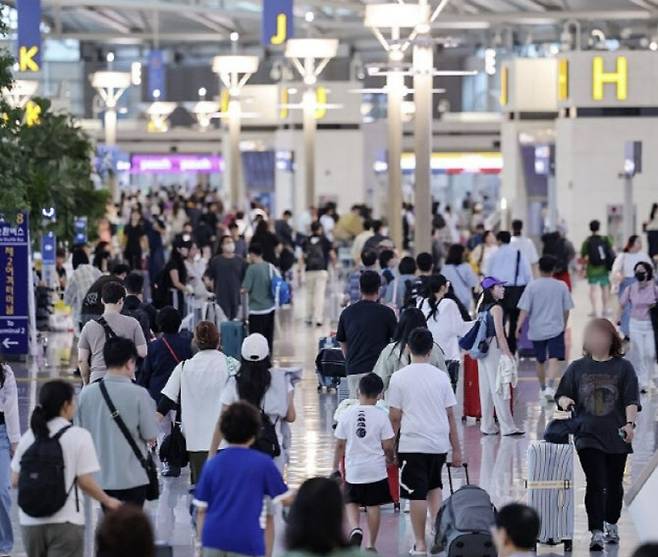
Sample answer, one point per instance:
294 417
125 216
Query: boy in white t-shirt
365 439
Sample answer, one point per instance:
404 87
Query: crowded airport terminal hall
328 278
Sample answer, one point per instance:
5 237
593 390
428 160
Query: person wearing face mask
638 299
226 270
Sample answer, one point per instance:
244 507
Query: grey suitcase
463 525
551 491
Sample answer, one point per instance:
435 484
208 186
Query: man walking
122 475
257 284
364 329
509 265
546 304
598 256
111 324
318 254
421 403
525 245
226 271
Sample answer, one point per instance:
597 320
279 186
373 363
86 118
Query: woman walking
460 274
10 434
603 388
490 399
638 299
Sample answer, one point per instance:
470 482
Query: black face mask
640 276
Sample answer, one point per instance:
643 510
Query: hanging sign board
29 35
277 22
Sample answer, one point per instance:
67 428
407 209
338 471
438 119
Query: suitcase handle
449 465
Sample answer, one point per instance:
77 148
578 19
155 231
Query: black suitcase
330 364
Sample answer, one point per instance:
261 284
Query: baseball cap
488 282
255 348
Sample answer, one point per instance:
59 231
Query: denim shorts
550 348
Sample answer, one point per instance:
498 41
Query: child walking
365 440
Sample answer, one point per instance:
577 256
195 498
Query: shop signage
167 164
14 282
277 22
29 35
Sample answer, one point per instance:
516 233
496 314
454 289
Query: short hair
125 532
256 249
369 258
240 423
367 224
504 237
407 265
224 238
113 292
594 226
80 257
385 256
120 269
605 325
455 254
134 283
646 550
118 351
547 264
315 227
168 320
371 385
206 335
287 213
370 282
517 225
420 342
521 523
425 262
377 225
61 252
233 225
647 267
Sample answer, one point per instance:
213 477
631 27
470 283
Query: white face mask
229 247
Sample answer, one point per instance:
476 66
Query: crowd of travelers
174 312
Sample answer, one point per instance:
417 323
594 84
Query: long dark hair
434 284
631 241
486 300
52 397
315 522
253 380
410 319
654 210
455 254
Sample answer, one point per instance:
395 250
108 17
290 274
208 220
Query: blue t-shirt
232 487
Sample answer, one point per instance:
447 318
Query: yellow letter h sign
619 78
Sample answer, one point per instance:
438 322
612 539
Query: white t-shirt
625 263
446 326
423 393
79 459
527 247
364 428
200 382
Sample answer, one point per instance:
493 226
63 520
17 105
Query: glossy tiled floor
499 465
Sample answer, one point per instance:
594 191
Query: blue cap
489 282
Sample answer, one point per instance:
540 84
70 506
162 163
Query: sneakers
356 537
549 394
598 541
611 533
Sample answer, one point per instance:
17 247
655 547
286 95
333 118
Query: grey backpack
464 521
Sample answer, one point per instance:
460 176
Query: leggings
605 492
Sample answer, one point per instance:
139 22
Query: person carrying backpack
598 256
493 402
318 254
53 462
272 393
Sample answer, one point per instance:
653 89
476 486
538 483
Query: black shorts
420 473
368 495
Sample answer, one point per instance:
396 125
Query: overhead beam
206 22
105 20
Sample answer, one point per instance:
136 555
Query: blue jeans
626 314
6 534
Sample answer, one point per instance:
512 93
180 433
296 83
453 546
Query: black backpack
315 260
267 440
599 252
41 483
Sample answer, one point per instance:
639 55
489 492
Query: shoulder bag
153 487
173 449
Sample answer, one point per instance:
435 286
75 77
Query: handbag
173 449
153 487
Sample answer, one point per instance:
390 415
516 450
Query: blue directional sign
277 22
48 248
79 231
157 77
14 282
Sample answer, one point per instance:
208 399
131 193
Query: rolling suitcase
524 345
464 522
471 389
394 485
232 334
551 491
329 363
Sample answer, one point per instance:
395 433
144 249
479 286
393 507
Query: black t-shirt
316 253
133 236
602 391
367 327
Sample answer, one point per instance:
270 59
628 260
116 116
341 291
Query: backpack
267 441
315 259
477 340
464 521
599 252
41 482
280 288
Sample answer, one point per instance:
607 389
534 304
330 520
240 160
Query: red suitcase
472 407
394 484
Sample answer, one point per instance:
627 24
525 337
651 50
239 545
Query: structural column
423 62
395 90
310 133
234 162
